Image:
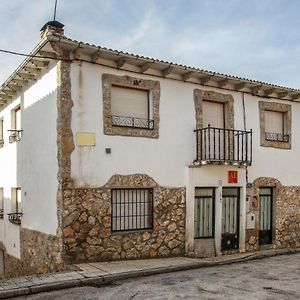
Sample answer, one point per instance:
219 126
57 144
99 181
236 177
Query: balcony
1 213
221 146
1 143
15 218
15 135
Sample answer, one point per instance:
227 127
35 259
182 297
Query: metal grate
15 218
132 122
132 209
15 135
219 145
277 137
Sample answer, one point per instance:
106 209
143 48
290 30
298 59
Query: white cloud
232 37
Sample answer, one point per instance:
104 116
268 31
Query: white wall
31 163
165 158
10 233
217 177
37 155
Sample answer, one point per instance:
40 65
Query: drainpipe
245 128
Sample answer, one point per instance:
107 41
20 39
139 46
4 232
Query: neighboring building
107 155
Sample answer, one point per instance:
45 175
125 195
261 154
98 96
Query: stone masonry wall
87 223
39 254
286 215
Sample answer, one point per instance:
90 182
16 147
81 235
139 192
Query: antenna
54 17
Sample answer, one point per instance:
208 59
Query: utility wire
31 55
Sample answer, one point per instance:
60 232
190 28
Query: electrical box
250 221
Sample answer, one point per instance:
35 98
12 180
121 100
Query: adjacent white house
107 155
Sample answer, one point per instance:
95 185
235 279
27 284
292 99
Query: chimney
52 27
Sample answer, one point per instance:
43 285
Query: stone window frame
152 86
226 99
286 109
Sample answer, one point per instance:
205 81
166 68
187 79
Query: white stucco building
109 155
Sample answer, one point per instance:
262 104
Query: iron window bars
1 213
132 122
277 137
223 146
16 135
132 209
15 218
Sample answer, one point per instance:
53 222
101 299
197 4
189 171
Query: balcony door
214 116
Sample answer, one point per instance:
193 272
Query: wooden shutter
127 102
213 114
273 121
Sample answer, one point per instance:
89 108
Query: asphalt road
270 278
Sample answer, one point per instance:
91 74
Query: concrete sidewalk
96 274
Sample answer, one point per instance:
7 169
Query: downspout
245 128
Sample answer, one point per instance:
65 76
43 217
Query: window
1 203
16 209
130 106
1 133
204 213
16 200
132 209
15 130
275 125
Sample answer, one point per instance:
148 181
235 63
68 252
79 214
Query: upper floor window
15 131
16 208
1 133
130 106
275 125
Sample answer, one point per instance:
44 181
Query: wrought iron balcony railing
15 218
1 213
223 146
1 143
277 137
132 122
15 135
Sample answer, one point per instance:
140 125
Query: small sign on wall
232 177
85 139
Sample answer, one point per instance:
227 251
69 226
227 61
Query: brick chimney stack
52 27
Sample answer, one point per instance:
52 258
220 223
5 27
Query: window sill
133 231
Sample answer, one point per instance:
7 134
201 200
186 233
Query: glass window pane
203 192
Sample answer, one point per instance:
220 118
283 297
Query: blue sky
257 39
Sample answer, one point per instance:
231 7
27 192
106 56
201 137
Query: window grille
132 209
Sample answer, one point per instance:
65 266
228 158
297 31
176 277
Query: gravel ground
270 278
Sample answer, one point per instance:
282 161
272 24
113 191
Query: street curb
107 279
